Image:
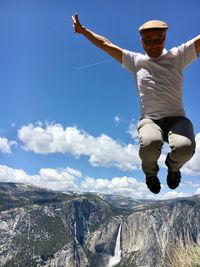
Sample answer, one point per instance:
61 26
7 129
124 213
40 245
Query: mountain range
40 227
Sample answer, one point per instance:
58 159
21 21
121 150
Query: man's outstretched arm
98 40
197 44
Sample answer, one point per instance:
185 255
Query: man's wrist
82 29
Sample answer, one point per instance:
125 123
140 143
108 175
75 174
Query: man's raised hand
78 28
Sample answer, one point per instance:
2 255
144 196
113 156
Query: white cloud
197 192
119 185
102 150
69 179
8 174
72 179
132 129
193 166
60 179
117 119
174 194
193 183
55 179
127 186
5 145
107 152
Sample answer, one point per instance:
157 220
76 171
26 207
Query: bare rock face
70 255
101 243
103 240
49 231
44 228
147 234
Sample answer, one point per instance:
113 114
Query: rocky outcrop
71 255
37 234
148 233
101 243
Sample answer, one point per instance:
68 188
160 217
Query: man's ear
165 37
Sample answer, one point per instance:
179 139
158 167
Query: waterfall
117 253
75 234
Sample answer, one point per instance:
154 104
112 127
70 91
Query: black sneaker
173 179
153 184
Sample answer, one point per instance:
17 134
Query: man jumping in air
159 77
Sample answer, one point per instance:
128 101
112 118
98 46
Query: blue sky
68 110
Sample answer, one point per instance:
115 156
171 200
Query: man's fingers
76 23
76 16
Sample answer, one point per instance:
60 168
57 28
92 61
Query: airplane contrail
94 64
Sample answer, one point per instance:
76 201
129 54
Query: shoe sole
153 185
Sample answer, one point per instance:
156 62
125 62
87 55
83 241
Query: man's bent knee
151 144
150 152
185 150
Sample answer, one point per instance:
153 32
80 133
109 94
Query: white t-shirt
159 81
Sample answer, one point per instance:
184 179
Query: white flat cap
153 24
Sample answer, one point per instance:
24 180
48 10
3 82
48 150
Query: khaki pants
176 131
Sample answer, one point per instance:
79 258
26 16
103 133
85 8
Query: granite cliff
40 227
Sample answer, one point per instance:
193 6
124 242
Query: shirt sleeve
187 53
128 60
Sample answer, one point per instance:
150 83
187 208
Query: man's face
153 42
